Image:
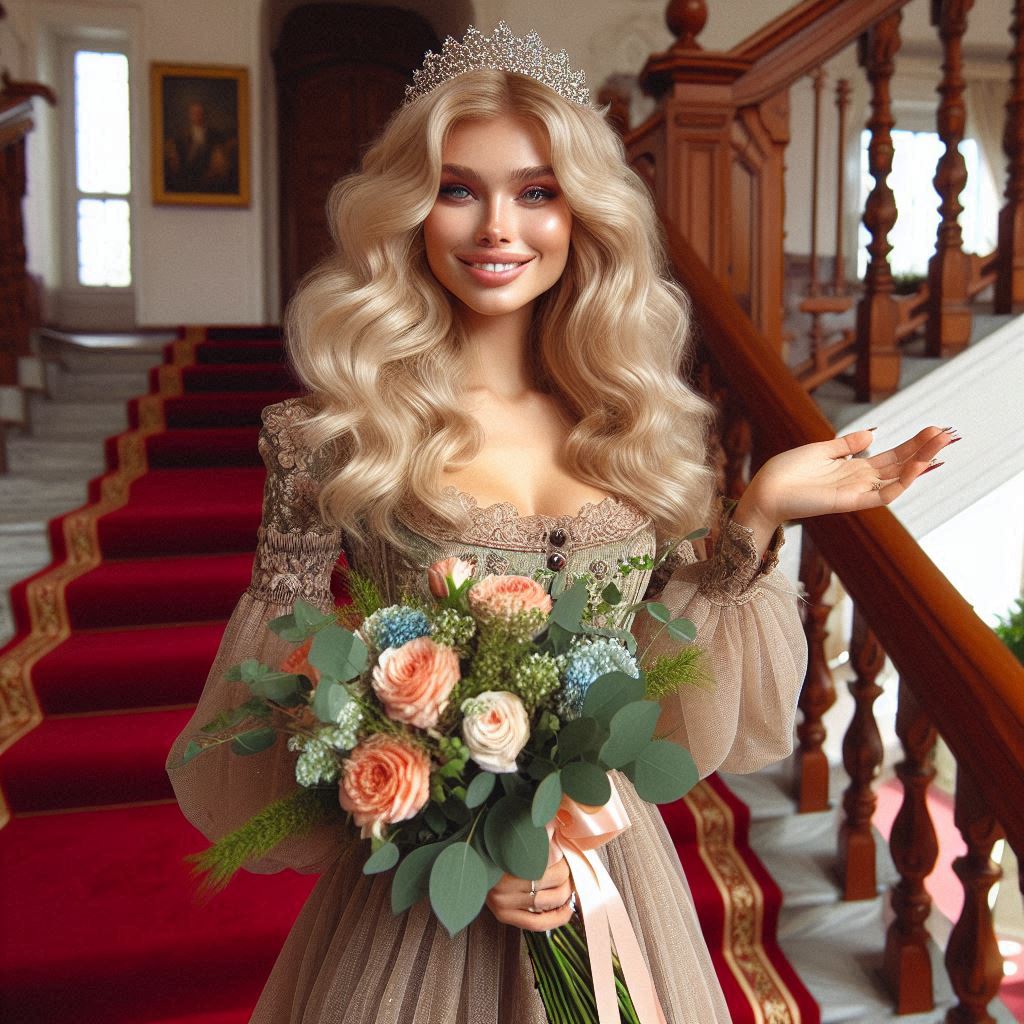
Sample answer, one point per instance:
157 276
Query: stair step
46 459
207 446
148 591
218 408
253 351
217 521
109 670
232 377
124 938
91 760
104 386
59 419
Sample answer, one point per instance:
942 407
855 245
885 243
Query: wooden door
341 70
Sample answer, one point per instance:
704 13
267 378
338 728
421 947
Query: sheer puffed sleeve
217 790
748 624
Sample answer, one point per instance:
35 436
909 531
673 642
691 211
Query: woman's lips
494 278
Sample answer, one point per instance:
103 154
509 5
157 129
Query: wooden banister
777 55
962 675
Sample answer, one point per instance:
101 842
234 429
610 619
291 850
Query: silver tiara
525 55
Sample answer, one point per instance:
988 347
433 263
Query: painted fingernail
872 428
931 466
948 430
954 441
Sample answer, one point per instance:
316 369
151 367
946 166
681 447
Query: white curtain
986 114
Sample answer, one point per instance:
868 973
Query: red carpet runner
115 637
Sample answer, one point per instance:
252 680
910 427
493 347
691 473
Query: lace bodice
496 539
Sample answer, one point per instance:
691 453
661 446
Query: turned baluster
878 358
949 269
914 849
736 445
842 105
819 692
1009 291
862 756
973 961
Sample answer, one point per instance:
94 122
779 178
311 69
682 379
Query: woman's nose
496 221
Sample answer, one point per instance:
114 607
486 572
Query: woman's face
498 235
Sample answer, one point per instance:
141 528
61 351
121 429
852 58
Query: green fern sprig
669 672
293 815
365 594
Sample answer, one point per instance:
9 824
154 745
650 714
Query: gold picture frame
200 140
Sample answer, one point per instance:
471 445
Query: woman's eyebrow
521 174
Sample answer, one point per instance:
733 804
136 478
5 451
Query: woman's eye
455 191
537 194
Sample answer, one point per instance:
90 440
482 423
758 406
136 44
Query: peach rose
298 662
457 570
495 729
384 780
415 680
505 596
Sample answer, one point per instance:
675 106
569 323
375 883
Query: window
102 169
915 156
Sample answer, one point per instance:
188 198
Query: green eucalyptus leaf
630 730
546 800
308 617
611 594
412 877
456 810
458 886
610 692
658 611
515 844
682 630
329 700
338 652
586 784
384 858
494 873
435 819
702 531
568 609
480 788
575 738
276 686
253 741
558 639
192 750
514 785
282 624
663 772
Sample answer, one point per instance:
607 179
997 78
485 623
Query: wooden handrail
777 55
959 671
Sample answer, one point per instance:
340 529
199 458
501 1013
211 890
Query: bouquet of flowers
469 736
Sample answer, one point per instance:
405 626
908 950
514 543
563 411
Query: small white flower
495 729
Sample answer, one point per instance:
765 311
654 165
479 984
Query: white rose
495 729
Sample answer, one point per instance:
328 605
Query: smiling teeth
495 267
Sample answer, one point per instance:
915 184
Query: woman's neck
498 358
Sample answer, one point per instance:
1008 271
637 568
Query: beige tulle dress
348 959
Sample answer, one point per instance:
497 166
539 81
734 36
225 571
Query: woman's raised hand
823 477
512 902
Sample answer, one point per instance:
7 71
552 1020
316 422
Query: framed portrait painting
200 134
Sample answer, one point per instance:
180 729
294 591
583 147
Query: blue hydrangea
394 626
584 663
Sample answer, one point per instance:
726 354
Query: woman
492 363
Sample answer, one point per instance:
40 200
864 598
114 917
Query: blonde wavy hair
377 341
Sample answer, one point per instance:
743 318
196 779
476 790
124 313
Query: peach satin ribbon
577 832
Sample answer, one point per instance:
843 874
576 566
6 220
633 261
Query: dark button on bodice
558 536
556 561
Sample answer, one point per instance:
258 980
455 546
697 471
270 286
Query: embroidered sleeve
296 550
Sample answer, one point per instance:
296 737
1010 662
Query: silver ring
533 899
